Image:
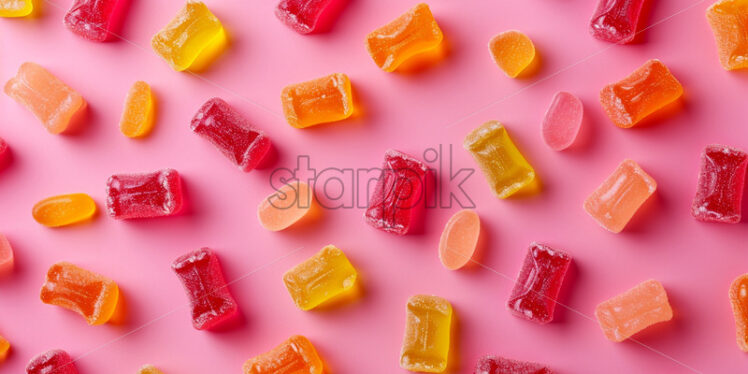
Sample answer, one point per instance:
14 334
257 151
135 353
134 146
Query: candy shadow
744 205
309 223
535 66
38 10
7 159
418 212
80 121
664 114
347 298
211 53
271 158
120 315
426 60
117 19
330 15
641 25
455 354
561 312
644 216
235 322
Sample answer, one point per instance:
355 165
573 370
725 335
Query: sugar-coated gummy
562 121
320 278
137 117
52 362
427 328
191 31
149 369
490 364
294 356
321 100
459 239
89 294
719 194
301 15
64 210
739 302
634 310
144 195
286 206
16 8
91 19
729 22
512 51
6 256
615 21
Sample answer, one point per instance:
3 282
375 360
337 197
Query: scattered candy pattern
326 99
301 15
64 210
633 311
739 302
427 328
512 51
320 278
288 205
91 19
615 21
729 22
191 31
499 365
562 121
294 356
144 195
55 361
89 294
719 194
137 118
459 239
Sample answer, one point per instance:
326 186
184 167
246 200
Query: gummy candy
320 278
294 356
16 8
512 51
191 31
3 148
729 22
52 362
64 210
301 15
6 256
89 294
562 121
739 302
538 284
231 133
459 239
503 165
616 200
427 328
648 89
721 180
44 95
210 300
286 206
149 369
414 32
499 365
137 118
633 311
145 195
326 99
4 348
615 20
398 193
91 19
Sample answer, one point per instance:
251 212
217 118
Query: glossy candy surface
729 22
459 239
739 301
719 194
320 278
615 21
91 19
634 310
512 51
144 195
64 210
149 369
294 356
562 121
16 8
52 362
4 348
6 256
137 117
499 365
286 206
3 149
191 31
321 100
89 294
427 329
301 15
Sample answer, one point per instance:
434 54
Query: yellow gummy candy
137 117
149 369
16 8
426 342
64 209
191 31
320 278
4 348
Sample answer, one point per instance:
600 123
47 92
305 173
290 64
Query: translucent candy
294 356
211 302
64 210
149 369
538 284
427 328
500 365
729 22
4 348
286 206
562 121
89 294
647 90
633 311
191 31
48 98
320 278
137 118
719 194
231 133
739 302
145 195
398 193
414 32
91 19
502 164
6 256
16 8
301 15
52 362
615 20
326 99
3 149
616 200
459 239
512 51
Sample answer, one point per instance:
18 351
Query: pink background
430 106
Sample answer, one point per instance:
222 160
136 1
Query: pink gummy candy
146 195
52 362
301 15
231 133
536 289
398 193
721 181
615 20
6 256
562 121
202 278
500 365
91 19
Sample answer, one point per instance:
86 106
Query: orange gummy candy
459 239
6 256
294 356
326 99
729 22
648 89
513 51
286 206
633 311
4 348
137 117
64 210
149 369
89 294
414 32
739 301
47 97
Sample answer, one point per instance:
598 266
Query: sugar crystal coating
562 121
91 19
615 21
64 210
320 278
144 195
739 301
719 194
321 100
729 22
294 356
137 117
89 294
490 364
512 51
6 256
459 239
52 362
301 15
286 206
633 311
149 369
4 348
16 8
427 329
192 30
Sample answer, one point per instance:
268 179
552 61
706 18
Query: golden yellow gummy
191 31
320 278
426 342
16 8
149 369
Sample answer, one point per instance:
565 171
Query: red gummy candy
301 15
231 133
721 181
91 19
398 192
202 278
615 20
535 292
3 148
146 195
52 362
500 365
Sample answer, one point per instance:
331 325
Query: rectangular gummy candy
210 300
399 190
144 195
294 356
499 365
414 32
729 22
427 329
223 126
503 165
739 302
326 99
91 19
16 8
633 311
619 197
52 362
719 194
301 15
538 284
320 278
615 20
44 95
187 35
89 294
647 90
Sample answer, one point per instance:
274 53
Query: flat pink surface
431 107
